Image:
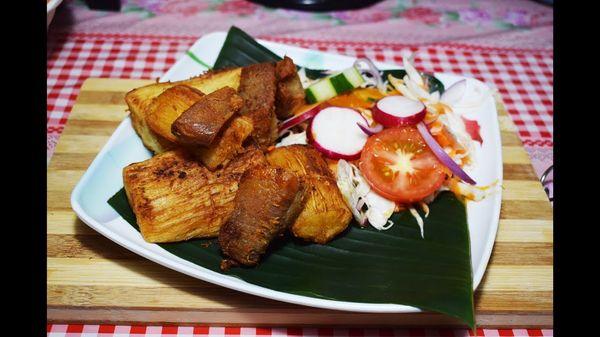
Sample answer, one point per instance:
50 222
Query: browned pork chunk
201 123
285 68
268 201
258 85
290 94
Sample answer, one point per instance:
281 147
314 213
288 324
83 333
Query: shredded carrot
445 139
363 98
351 101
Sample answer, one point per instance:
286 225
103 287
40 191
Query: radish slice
398 111
335 132
370 130
293 121
442 155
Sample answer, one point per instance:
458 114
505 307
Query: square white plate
104 178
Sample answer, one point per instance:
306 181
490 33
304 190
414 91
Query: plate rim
237 284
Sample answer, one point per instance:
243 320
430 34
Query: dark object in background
317 5
104 5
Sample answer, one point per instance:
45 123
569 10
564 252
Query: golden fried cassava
325 214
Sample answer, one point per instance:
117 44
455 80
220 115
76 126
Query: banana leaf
362 264
240 49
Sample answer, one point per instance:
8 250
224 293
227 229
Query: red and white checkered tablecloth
78 330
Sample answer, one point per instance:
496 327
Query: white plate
51 9
103 179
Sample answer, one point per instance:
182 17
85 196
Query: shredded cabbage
357 192
416 215
293 138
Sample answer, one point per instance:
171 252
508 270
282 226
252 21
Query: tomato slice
399 165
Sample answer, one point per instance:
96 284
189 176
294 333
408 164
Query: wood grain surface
93 280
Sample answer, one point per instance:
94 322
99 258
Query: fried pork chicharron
325 214
202 122
257 88
175 198
268 201
290 94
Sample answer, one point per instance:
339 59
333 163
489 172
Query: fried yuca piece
290 94
167 107
175 198
325 214
140 98
257 88
268 200
227 145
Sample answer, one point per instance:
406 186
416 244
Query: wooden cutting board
93 280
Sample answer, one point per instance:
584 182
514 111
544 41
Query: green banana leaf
362 264
240 49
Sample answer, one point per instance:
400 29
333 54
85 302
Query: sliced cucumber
334 85
354 77
320 91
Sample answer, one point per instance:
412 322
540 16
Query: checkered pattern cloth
78 330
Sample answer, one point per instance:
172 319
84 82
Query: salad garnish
396 144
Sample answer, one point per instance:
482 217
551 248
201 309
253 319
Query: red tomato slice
399 165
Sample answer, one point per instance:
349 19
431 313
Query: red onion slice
398 110
295 120
370 130
372 70
442 155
